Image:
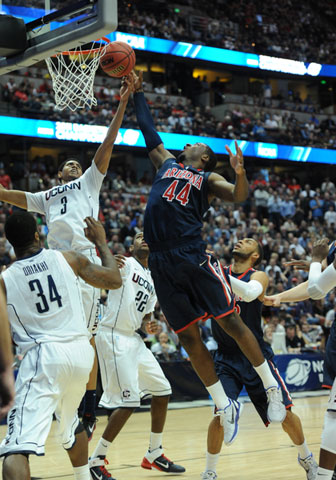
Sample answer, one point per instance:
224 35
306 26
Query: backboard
54 26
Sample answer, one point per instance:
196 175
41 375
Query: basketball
118 59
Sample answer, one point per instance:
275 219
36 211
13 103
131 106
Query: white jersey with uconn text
49 306
128 304
66 206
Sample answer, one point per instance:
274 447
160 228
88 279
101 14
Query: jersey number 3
54 296
182 197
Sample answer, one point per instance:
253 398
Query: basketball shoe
89 424
161 462
208 475
276 410
229 417
310 465
98 470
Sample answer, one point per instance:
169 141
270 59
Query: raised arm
296 294
104 152
6 358
157 153
105 276
221 188
14 197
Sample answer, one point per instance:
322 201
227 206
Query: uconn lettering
193 178
62 189
142 282
35 268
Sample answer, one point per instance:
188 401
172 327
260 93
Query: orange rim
84 52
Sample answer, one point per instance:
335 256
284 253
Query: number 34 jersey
44 301
127 305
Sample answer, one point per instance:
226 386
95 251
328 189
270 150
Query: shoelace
103 469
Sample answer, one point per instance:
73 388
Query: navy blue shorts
190 285
236 372
329 366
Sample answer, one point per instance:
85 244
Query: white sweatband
247 291
319 284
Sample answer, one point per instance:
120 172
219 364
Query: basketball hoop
72 74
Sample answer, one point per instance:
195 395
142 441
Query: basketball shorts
331 407
91 296
329 366
190 285
235 372
52 379
129 370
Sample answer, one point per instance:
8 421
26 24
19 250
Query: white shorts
331 407
128 369
91 296
52 379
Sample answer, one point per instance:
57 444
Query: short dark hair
211 164
71 159
20 229
260 250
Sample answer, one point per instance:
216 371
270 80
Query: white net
72 74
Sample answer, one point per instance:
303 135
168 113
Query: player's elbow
114 282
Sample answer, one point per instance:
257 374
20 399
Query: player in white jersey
65 206
46 314
128 368
6 361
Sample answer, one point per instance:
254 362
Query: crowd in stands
255 121
283 215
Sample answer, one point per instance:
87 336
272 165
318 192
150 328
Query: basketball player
46 314
317 286
188 287
6 361
233 368
65 206
129 370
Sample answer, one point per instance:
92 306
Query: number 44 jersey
44 301
127 305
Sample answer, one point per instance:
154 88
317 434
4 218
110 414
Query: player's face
246 246
71 171
140 246
192 152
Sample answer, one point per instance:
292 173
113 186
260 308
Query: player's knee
328 440
232 324
14 465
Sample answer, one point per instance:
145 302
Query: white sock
218 395
266 376
101 448
82 473
324 474
155 441
211 461
303 450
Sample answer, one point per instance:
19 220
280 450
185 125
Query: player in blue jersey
318 285
189 287
233 368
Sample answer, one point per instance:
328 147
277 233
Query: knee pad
328 440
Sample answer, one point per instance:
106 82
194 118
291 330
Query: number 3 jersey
127 305
44 302
66 206
176 205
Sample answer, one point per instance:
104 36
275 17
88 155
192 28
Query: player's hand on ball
272 301
237 160
94 231
121 260
151 327
320 250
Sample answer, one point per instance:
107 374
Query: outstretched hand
320 250
272 300
298 264
137 79
94 231
237 160
127 87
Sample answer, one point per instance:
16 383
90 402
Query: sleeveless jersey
176 205
44 302
66 206
250 313
127 305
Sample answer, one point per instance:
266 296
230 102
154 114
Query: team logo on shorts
126 394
